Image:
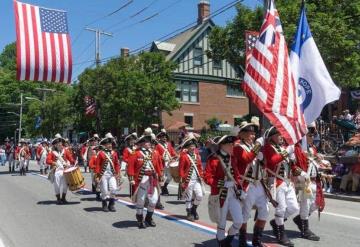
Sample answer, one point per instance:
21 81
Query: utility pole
98 34
20 118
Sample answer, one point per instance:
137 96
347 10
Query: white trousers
193 191
59 182
255 196
233 206
107 186
22 164
143 192
307 204
288 204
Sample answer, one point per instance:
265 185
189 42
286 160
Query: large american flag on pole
42 44
269 82
250 41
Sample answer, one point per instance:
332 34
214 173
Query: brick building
206 88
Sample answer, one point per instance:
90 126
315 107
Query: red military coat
161 150
127 152
214 173
16 153
92 162
51 158
39 151
101 160
185 165
136 162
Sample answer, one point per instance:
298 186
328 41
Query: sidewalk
344 197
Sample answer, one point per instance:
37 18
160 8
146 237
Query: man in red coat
59 160
223 176
191 174
246 154
107 170
168 154
89 152
279 165
127 152
145 172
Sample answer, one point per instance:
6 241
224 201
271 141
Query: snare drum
74 178
174 170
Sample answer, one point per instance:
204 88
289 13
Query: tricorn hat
247 127
131 136
224 139
190 139
58 138
109 138
162 133
146 137
271 132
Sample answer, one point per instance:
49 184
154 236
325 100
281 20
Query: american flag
90 106
250 40
269 81
43 44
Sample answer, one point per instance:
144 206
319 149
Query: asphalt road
29 217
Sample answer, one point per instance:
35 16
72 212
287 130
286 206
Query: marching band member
92 167
279 167
59 160
107 172
89 152
145 171
41 154
23 156
311 197
167 152
9 149
28 155
191 173
127 152
246 153
222 174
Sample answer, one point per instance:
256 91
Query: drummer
167 153
191 173
58 160
107 171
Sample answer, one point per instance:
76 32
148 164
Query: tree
129 91
334 24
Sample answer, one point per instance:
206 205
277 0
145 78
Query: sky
127 32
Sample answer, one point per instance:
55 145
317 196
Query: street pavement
29 217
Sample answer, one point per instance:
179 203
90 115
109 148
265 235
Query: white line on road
342 216
1 243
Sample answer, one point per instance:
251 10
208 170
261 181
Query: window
189 120
234 90
217 64
187 91
198 56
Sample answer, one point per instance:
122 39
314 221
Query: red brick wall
212 103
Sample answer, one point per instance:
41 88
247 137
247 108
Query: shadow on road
269 237
208 243
93 209
54 203
4 173
89 199
125 224
175 202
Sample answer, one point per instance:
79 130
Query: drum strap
59 156
193 165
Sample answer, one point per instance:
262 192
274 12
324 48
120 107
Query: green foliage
334 24
129 91
213 123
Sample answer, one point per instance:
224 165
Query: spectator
357 119
353 176
348 116
2 156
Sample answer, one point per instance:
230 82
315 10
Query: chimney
203 11
124 52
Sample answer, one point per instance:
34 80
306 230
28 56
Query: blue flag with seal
316 88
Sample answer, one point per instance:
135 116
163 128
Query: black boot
112 205
194 212
41 172
297 221
9 169
275 228
283 238
149 220
226 242
13 169
306 232
27 169
164 190
189 216
46 171
63 198
58 200
85 169
257 235
98 198
242 238
93 188
140 220
159 205
104 206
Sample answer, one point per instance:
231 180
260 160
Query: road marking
2 243
341 215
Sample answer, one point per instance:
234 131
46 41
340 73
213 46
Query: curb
342 197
